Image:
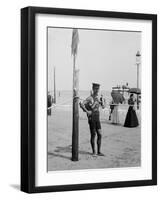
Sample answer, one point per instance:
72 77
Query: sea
64 97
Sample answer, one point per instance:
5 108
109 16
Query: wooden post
137 85
75 131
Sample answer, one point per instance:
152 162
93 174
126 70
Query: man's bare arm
83 106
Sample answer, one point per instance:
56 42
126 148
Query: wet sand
121 146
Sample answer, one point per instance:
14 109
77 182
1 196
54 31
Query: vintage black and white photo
89 99
93 98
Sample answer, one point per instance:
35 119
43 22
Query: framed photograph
88 99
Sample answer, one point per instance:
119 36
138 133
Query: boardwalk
121 146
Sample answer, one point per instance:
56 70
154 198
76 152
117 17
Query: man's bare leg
99 138
92 141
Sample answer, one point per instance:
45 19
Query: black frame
28 98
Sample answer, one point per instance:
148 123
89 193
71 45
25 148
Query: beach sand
121 146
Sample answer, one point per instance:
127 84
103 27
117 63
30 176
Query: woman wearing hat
131 117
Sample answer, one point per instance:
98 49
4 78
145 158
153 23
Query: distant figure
131 117
101 100
111 109
91 107
115 114
49 100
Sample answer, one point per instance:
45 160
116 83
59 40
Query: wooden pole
137 85
75 131
54 87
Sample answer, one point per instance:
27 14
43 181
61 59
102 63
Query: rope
105 107
51 107
107 104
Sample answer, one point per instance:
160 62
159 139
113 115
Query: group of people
91 106
131 119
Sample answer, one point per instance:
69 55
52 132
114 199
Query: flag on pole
75 41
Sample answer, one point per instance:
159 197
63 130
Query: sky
104 56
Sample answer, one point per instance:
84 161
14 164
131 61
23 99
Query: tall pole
138 56
54 87
75 130
137 85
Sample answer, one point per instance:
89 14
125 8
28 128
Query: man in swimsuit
91 107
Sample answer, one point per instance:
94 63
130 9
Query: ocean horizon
64 97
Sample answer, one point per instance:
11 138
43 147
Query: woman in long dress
131 117
115 114
117 99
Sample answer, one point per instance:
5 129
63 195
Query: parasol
135 90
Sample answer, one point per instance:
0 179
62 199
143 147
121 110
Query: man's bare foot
94 154
100 154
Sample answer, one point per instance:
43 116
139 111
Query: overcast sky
105 57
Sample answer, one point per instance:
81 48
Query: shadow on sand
60 151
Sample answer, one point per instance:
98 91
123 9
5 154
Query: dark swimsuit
94 119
